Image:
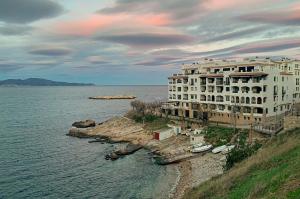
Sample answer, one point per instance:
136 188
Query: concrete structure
163 134
256 91
196 137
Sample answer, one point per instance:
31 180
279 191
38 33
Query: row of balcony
242 100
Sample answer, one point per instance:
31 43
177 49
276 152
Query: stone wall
291 122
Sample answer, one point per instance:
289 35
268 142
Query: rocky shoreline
193 168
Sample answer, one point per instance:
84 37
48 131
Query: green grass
158 123
218 135
273 172
265 180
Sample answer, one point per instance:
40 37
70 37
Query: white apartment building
250 91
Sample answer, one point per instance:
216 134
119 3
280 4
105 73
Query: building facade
245 92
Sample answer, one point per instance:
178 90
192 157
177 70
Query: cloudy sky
138 41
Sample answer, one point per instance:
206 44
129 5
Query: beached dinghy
219 149
197 145
202 148
228 149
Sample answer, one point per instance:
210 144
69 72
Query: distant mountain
38 82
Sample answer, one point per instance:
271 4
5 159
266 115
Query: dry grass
221 186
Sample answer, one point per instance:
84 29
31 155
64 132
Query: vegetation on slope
218 135
144 112
272 172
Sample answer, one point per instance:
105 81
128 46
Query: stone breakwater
113 97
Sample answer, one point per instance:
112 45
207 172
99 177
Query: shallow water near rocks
37 160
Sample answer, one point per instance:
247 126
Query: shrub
242 151
150 118
217 135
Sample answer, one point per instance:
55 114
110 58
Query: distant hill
38 82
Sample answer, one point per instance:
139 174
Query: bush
241 151
217 135
138 117
150 118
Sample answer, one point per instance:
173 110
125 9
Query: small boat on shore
228 149
219 149
113 97
197 145
223 149
202 148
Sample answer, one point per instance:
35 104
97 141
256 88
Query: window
265 88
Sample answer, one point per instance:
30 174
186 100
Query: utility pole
250 133
233 110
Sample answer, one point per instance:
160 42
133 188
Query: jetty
117 97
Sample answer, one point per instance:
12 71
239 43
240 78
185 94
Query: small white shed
196 137
163 134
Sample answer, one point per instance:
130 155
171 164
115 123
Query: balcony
245 80
235 89
185 89
203 88
221 107
256 80
210 90
245 89
256 89
211 80
185 97
219 81
219 89
202 98
219 99
235 80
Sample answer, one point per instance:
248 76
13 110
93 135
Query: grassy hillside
273 172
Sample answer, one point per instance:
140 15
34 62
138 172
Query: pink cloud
225 4
270 46
288 16
154 20
94 23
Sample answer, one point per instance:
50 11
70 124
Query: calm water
37 160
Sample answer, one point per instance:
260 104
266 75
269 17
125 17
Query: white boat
219 149
197 145
228 149
202 148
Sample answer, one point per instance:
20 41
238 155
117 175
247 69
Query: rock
102 140
80 133
113 156
84 124
107 157
129 149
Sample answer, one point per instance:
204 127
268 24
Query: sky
138 42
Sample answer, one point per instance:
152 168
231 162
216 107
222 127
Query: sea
38 160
